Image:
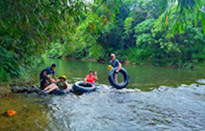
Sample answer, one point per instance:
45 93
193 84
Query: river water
165 107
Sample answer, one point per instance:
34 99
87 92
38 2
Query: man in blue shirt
115 64
45 79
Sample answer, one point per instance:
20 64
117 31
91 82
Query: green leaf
203 21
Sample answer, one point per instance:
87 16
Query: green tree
28 28
184 9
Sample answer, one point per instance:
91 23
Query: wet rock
194 85
184 85
23 89
202 81
29 90
16 89
33 89
26 89
5 91
163 88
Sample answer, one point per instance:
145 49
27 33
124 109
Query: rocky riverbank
7 89
26 89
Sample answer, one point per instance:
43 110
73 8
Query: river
157 98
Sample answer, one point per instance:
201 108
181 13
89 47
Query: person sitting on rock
60 85
45 79
91 78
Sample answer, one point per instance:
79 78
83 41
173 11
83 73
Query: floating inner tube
80 87
118 85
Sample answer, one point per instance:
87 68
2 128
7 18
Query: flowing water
162 108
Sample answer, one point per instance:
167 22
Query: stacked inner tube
118 85
80 87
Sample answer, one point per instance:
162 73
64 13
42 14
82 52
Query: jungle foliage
156 31
142 31
29 28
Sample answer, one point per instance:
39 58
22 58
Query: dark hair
91 71
62 78
53 65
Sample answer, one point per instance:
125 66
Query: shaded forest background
159 32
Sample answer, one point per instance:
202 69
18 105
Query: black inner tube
118 85
80 87
85 85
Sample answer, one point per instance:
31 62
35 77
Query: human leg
43 82
115 77
51 87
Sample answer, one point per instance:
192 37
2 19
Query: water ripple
165 108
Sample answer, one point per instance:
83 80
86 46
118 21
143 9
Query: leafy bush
138 55
4 76
54 51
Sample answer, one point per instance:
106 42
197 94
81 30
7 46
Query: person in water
45 79
60 85
115 64
91 78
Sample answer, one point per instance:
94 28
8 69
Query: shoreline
5 90
6 87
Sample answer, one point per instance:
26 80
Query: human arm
68 88
85 80
96 77
51 80
54 75
119 67
45 73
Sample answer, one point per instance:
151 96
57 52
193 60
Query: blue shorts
115 75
